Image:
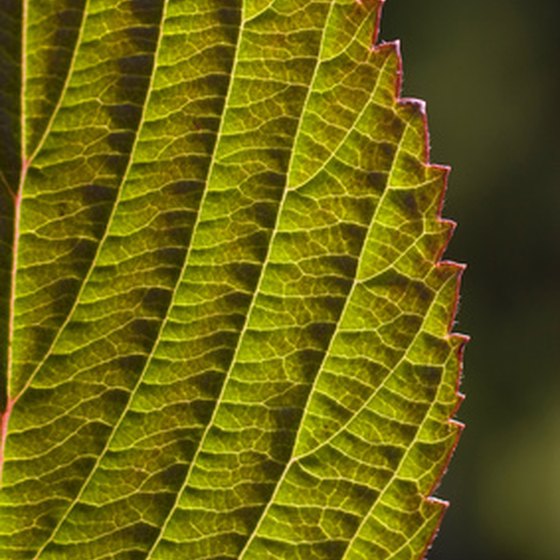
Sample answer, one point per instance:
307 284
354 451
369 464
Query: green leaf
224 320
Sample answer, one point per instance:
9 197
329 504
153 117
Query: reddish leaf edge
460 340
6 401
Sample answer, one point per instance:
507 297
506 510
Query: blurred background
490 72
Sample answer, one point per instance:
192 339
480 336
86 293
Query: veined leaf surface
224 320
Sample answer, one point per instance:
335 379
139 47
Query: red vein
5 183
4 432
6 402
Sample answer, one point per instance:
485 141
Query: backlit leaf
224 319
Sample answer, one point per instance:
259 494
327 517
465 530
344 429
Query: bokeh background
490 72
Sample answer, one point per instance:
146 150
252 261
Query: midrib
5 400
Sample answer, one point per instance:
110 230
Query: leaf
224 319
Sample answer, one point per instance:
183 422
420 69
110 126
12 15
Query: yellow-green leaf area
224 318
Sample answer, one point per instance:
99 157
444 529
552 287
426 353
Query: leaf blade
201 367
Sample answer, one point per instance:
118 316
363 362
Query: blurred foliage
490 74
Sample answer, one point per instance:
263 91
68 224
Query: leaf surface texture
225 324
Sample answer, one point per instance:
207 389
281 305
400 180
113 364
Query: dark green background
490 72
